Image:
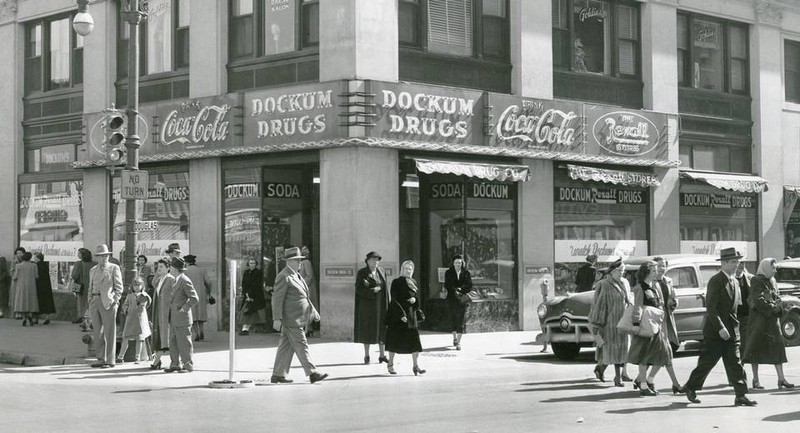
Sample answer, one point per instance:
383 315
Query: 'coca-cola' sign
523 123
195 124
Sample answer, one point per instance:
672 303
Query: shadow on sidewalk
783 417
672 406
170 388
547 358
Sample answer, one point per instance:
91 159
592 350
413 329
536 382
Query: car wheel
790 327
566 351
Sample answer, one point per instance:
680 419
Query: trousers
710 354
180 345
104 323
292 342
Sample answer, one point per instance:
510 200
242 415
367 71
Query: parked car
565 323
788 277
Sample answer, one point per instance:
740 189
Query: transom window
712 54
261 28
53 55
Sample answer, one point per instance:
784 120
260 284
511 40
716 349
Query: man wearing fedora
587 274
184 297
721 331
105 291
292 314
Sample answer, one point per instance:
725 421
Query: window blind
450 27
628 33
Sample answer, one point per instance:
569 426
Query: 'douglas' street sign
134 184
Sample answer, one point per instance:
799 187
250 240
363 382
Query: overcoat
184 297
369 317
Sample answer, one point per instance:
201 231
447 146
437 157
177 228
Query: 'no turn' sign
134 184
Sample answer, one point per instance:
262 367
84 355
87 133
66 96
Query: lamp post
83 25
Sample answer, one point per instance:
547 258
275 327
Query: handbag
464 299
211 300
625 324
419 315
248 306
77 288
651 321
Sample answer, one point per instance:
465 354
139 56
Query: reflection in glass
159 36
59 53
707 68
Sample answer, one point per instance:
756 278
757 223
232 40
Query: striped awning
731 182
617 177
501 172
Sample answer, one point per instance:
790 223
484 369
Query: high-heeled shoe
618 382
626 378
383 359
418 370
25 322
156 365
678 390
458 346
637 384
757 384
785 384
598 373
390 368
652 387
647 392
366 360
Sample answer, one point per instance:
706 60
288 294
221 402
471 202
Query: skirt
400 339
653 350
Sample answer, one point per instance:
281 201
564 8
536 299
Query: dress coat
307 272
671 301
183 298
610 299
80 275
765 343
253 287
5 283
44 289
162 294
585 278
369 315
653 350
403 337
202 284
457 284
109 279
25 275
137 324
291 303
720 310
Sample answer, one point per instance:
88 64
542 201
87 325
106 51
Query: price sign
134 184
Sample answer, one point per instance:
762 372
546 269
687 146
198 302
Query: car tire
790 328
566 351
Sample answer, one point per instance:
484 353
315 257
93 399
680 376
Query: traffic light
115 128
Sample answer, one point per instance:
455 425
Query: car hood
576 305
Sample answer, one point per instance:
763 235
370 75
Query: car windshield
788 274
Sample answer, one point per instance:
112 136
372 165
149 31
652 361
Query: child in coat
137 326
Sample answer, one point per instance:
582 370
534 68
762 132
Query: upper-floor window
469 28
53 55
712 54
596 37
163 41
791 58
266 27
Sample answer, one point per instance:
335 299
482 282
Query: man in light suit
183 298
292 314
105 291
721 331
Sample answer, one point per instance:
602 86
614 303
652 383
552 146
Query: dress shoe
418 370
647 392
172 369
744 401
366 360
383 359
98 364
678 389
316 377
458 346
618 382
186 369
156 365
626 378
785 384
25 322
691 395
244 332
46 322
202 336
652 387
598 373
637 384
280 379
107 366
757 384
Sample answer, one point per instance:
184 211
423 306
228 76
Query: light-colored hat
102 250
292 253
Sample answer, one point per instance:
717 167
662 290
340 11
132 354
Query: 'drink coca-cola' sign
524 123
196 124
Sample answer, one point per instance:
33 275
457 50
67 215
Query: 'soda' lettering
283 190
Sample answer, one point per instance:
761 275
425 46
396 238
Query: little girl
137 326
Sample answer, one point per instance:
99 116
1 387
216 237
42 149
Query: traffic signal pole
133 16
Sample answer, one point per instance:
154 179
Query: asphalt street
498 383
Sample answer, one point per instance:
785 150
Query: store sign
489 190
281 190
447 190
719 201
426 113
291 115
712 248
595 174
152 249
242 190
524 123
576 250
56 158
601 195
195 124
631 134
54 251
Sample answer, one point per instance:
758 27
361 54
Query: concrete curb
34 360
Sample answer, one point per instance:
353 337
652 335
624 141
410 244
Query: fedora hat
729 253
102 250
178 263
292 253
373 255
190 259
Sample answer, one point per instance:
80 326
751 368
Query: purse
651 321
211 300
464 299
77 288
420 315
625 324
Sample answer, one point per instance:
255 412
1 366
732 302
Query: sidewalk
59 343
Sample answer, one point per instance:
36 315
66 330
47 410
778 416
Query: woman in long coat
44 289
5 285
371 303
159 312
80 275
402 335
612 295
765 343
202 283
26 303
12 269
457 283
252 294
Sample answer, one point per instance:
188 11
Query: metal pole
232 321
132 143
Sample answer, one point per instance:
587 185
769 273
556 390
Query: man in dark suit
292 314
584 280
721 332
184 297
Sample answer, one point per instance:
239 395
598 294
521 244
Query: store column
767 91
10 123
660 76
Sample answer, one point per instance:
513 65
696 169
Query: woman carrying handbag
403 317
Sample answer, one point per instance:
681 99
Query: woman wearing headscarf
765 343
159 311
26 303
372 301
402 335
457 284
612 295
44 289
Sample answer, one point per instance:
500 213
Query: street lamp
83 25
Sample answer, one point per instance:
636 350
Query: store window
791 62
596 37
51 222
164 38
712 54
260 28
607 220
161 219
53 55
730 157
453 26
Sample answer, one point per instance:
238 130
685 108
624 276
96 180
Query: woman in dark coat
44 289
5 285
80 276
26 303
372 301
159 311
457 283
252 297
402 335
765 343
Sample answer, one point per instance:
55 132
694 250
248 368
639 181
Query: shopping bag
651 321
625 324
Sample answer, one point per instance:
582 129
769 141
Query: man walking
184 297
721 332
292 314
584 280
105 291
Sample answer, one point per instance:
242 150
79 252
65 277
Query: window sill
791 106
54 94
161 76
244 63
454 58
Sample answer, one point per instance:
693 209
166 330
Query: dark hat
373 254
178 263
190 259
174 247
102 250
729 253
292 253
591 258
612 266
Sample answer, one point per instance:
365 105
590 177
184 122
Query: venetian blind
450 27
560 14
628 33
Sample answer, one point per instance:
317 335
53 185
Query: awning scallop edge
617 177
501 172
731 182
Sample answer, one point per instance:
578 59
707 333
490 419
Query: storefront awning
732 182
502 172
617 177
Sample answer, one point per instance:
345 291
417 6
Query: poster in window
279 22
591 25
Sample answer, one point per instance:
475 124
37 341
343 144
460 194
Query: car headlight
542 311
